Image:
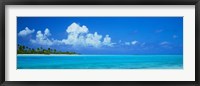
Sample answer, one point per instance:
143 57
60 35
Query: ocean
99 61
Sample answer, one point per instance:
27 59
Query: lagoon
99 61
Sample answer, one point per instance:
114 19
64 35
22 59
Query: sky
103 35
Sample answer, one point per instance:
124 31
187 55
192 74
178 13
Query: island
21 49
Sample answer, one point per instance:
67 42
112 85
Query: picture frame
98 2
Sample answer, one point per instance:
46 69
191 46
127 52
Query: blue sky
103 35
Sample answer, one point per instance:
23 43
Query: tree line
21 49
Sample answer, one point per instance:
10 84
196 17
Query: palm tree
38 50
54 50
32 51
26 47
49 50
21 49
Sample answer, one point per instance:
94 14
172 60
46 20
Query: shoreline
47 54
81 55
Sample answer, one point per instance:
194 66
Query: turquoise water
100 62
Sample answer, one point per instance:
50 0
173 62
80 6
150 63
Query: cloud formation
134 42
131 43
75 28
93 40
77 36
26 32
107 41
43 39
164 43
127 43
80 36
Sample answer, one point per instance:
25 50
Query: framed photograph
122 43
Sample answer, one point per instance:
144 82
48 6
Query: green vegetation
21 49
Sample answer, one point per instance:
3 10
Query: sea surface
99 61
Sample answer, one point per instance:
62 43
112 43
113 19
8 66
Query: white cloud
80 36
93 40
47 32
77 36
131 43
127 43
107 41
43 39
164 43
134 42
75 28
26 32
